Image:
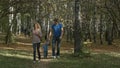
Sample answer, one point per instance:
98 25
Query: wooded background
97 20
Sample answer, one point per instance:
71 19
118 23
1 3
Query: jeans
56 42
45 48
36 46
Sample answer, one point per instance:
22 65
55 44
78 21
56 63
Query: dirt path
42 64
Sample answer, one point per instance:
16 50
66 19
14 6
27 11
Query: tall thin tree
77 38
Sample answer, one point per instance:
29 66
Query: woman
36 37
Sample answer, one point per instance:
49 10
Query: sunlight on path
24 43
25 57
114 54
42 64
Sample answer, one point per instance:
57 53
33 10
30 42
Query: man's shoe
58 56
38 61
54 57
34 61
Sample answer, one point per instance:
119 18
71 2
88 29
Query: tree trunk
77 38
101 30
94 23
8 38
109 33
18 17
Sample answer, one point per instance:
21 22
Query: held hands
60 37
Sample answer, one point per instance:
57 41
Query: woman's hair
37 26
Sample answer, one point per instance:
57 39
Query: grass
14 62
9 59
16 53
21 59
95 61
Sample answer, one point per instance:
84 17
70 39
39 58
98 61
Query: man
56 32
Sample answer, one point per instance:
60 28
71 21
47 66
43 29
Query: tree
77 30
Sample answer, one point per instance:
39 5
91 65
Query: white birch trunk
18 17
11 18
48 26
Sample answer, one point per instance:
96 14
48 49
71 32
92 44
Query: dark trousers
36 47
56 42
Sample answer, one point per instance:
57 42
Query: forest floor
22 49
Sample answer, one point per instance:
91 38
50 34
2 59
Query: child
45 47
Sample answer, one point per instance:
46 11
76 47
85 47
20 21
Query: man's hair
55 20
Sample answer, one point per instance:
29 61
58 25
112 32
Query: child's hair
47 35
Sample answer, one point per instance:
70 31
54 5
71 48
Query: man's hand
60 37
61 33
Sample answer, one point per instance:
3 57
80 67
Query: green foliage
90 12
